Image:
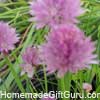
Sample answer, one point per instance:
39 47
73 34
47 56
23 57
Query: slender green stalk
45 78
64 84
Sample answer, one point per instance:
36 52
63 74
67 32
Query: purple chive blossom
8 37
67 49
30 58
27 68
87 87
55 12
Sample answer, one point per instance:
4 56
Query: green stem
64 84
45 78
17 79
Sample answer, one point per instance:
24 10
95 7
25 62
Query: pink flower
8 37
55 12
27 68
30 58
67 49
87 87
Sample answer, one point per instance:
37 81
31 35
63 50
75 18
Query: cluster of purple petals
53 13
67 49
8 37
